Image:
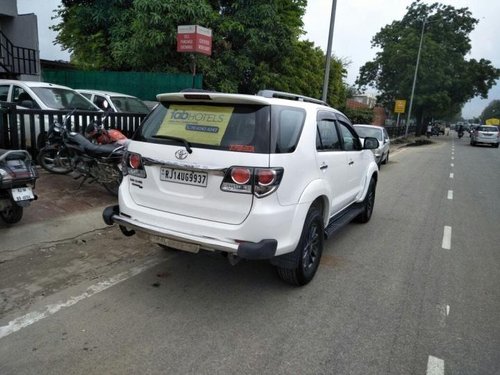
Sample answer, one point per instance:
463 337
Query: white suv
255 177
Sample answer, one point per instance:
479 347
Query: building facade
19 47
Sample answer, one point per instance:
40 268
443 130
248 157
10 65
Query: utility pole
415 77
329 51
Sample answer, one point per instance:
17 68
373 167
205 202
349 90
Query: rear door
188 149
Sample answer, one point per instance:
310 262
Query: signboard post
399 107
194 39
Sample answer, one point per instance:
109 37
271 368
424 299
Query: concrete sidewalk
62 211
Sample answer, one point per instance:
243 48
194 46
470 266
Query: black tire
472 143
386 160
368 204
12 215
113 186
496 146
309 250
57 161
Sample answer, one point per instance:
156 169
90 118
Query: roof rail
289 96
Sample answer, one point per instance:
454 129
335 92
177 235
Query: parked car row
43 95
49 96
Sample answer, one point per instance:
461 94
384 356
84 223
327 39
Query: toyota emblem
181 154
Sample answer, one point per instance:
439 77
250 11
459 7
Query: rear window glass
57 98
233 127
488 129
369 132
288 123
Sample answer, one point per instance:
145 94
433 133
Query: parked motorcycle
97 133
17 181
68 151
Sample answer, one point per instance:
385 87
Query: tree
446 80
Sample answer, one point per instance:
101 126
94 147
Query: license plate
179 245
182 176
22 194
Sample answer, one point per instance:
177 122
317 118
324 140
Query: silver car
487 134
382 152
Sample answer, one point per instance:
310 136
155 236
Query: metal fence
27 128
399 131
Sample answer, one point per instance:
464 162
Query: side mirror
371 143
27 104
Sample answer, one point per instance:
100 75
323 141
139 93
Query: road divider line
450 194
452 158
35 316
446 244
452 175
435 366
452 164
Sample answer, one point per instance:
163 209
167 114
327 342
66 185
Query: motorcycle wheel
113 186
12 215
57 161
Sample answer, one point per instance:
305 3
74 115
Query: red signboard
194 39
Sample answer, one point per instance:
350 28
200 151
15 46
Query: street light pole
329 52
415 77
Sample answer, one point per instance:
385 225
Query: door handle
351 162
323 166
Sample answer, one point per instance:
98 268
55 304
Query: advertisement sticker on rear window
196 123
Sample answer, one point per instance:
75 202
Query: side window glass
4 92
290 126
350 141
327 138
19 95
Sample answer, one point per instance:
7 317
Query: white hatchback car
264 176
384 149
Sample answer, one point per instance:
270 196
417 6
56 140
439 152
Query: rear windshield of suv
487 129
231 127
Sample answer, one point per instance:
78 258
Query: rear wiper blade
178 139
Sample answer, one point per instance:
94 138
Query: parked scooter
17 181
68 151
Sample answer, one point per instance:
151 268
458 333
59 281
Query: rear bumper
493 141
264 249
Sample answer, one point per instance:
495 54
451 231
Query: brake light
265 177
241 176
132 165
258 181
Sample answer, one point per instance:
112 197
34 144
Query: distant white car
485 134
382 151
115 102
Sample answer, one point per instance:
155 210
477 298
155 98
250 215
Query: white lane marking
34 316
446 238
435 366
444 312
452 158
450 194
452 175
452 164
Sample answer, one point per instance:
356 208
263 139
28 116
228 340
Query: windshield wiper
178 139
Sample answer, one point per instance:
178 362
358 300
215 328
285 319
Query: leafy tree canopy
255 43
446 80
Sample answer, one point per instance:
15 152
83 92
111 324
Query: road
414 291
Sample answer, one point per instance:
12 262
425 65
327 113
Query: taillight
241 176
258 181
132 165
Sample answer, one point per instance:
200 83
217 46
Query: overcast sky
356 22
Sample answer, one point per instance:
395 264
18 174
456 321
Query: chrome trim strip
192 167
